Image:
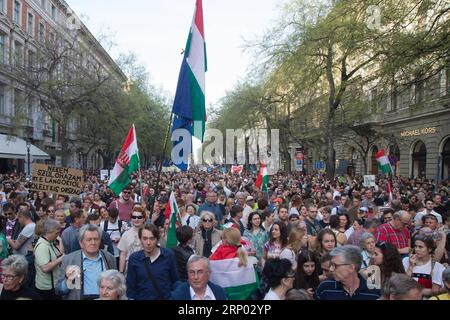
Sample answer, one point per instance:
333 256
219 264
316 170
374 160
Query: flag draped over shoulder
173 214
239 282
263 178
383 162
127 162
189 104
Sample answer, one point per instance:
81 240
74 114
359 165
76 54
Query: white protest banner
104 174
369 181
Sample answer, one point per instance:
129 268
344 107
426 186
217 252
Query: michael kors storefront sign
418 132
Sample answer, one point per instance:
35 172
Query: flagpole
140 174
161 164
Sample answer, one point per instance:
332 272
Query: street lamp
28 156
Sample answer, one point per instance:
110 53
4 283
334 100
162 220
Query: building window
2 48
394 98
30 110
3 6
18 49
30 23
16 13
41 32
2 100
43 4
53 12
18 101
31 59
419 91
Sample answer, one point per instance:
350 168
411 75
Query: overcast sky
156 30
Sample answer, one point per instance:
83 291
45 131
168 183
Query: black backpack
105 226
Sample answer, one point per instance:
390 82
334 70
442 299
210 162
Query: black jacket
182 254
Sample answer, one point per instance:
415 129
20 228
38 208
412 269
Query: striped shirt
334 290
398 238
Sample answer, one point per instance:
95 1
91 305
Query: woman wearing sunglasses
130 242
206 236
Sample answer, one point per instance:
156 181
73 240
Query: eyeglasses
207 220
126 192
137 217
8 277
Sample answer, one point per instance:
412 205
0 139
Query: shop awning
16 148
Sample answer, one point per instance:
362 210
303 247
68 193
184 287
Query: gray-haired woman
47 259
15 269
112 285
367 245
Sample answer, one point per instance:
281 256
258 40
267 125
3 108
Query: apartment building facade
25 25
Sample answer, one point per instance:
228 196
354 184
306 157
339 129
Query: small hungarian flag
173 214
127 162
263 178
383 162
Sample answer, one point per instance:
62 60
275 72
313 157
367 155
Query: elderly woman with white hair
112 285
14 274
206 236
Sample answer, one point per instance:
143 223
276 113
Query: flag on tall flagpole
189 105
383 162
173 214
127 162
263 178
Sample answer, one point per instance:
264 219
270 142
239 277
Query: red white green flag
263 178
383 162
127 162
173 214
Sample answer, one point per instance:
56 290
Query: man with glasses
347 283
396 232
124 204
12 226
198 286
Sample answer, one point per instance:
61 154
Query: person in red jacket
232 246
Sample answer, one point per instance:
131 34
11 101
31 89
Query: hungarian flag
127 162
239 282
173 214
383 162
263 178
189 103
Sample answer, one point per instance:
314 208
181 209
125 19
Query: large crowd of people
307 237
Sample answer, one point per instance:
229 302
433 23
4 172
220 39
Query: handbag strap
152 278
